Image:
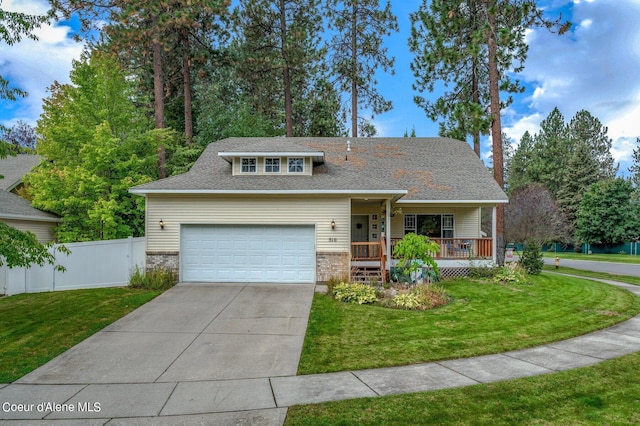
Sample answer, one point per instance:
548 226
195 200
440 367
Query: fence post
129 256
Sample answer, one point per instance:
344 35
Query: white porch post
494 230
387 229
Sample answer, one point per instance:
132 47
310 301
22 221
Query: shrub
406 301
531 259
355 293
511 273
152 279
415 252
421 297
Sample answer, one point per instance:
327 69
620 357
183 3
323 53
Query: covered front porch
462 230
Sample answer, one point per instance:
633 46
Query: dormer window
249 165
296 165
272 165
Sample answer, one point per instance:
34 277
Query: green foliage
511 273
358 53
98 145
415 251
421 297
607 213
21 249
355 293
406 301
152 279
13 27
531 259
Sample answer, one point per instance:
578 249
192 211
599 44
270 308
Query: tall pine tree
357 53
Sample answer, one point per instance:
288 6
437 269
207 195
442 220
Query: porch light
161 223
333 224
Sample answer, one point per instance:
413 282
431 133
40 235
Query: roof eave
388 192
499 201
29 218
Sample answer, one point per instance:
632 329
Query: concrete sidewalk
196 388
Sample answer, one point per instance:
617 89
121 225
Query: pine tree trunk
158 92
496 127
186 77
286 78
354 72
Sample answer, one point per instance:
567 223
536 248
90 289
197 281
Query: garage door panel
248 253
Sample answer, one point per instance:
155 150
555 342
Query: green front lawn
592 274
483 318
617 258
35 328
604 394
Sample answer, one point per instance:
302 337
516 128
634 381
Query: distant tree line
563 186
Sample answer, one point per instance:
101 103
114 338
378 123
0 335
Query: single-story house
311 209
16 211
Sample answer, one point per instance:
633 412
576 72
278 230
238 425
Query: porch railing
450 248
459 248
366 251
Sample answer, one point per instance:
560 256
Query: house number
333 240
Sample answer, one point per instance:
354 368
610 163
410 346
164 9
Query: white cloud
34 65
591 68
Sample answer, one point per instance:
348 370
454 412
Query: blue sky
594 67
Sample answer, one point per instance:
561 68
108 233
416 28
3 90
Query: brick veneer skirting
164 259
332 265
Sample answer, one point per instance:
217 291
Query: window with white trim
249 165
272 165
296 165
431 225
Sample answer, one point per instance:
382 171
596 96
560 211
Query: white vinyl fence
90 265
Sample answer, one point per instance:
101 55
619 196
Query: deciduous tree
97 145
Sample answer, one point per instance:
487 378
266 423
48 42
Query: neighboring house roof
13 168
413 169
15 207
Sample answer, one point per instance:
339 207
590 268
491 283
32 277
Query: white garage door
248 253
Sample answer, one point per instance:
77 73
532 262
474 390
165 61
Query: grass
35 328
592 274
607 393
617 258
483 318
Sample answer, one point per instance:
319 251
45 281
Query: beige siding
176 210
237 166
42 230
466 219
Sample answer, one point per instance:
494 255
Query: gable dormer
272 162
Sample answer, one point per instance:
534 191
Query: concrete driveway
197 348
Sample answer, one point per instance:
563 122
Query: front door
360 228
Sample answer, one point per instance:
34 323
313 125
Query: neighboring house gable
16 211
14 168
239 208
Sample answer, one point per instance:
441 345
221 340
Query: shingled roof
412 169
13 168
15 207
